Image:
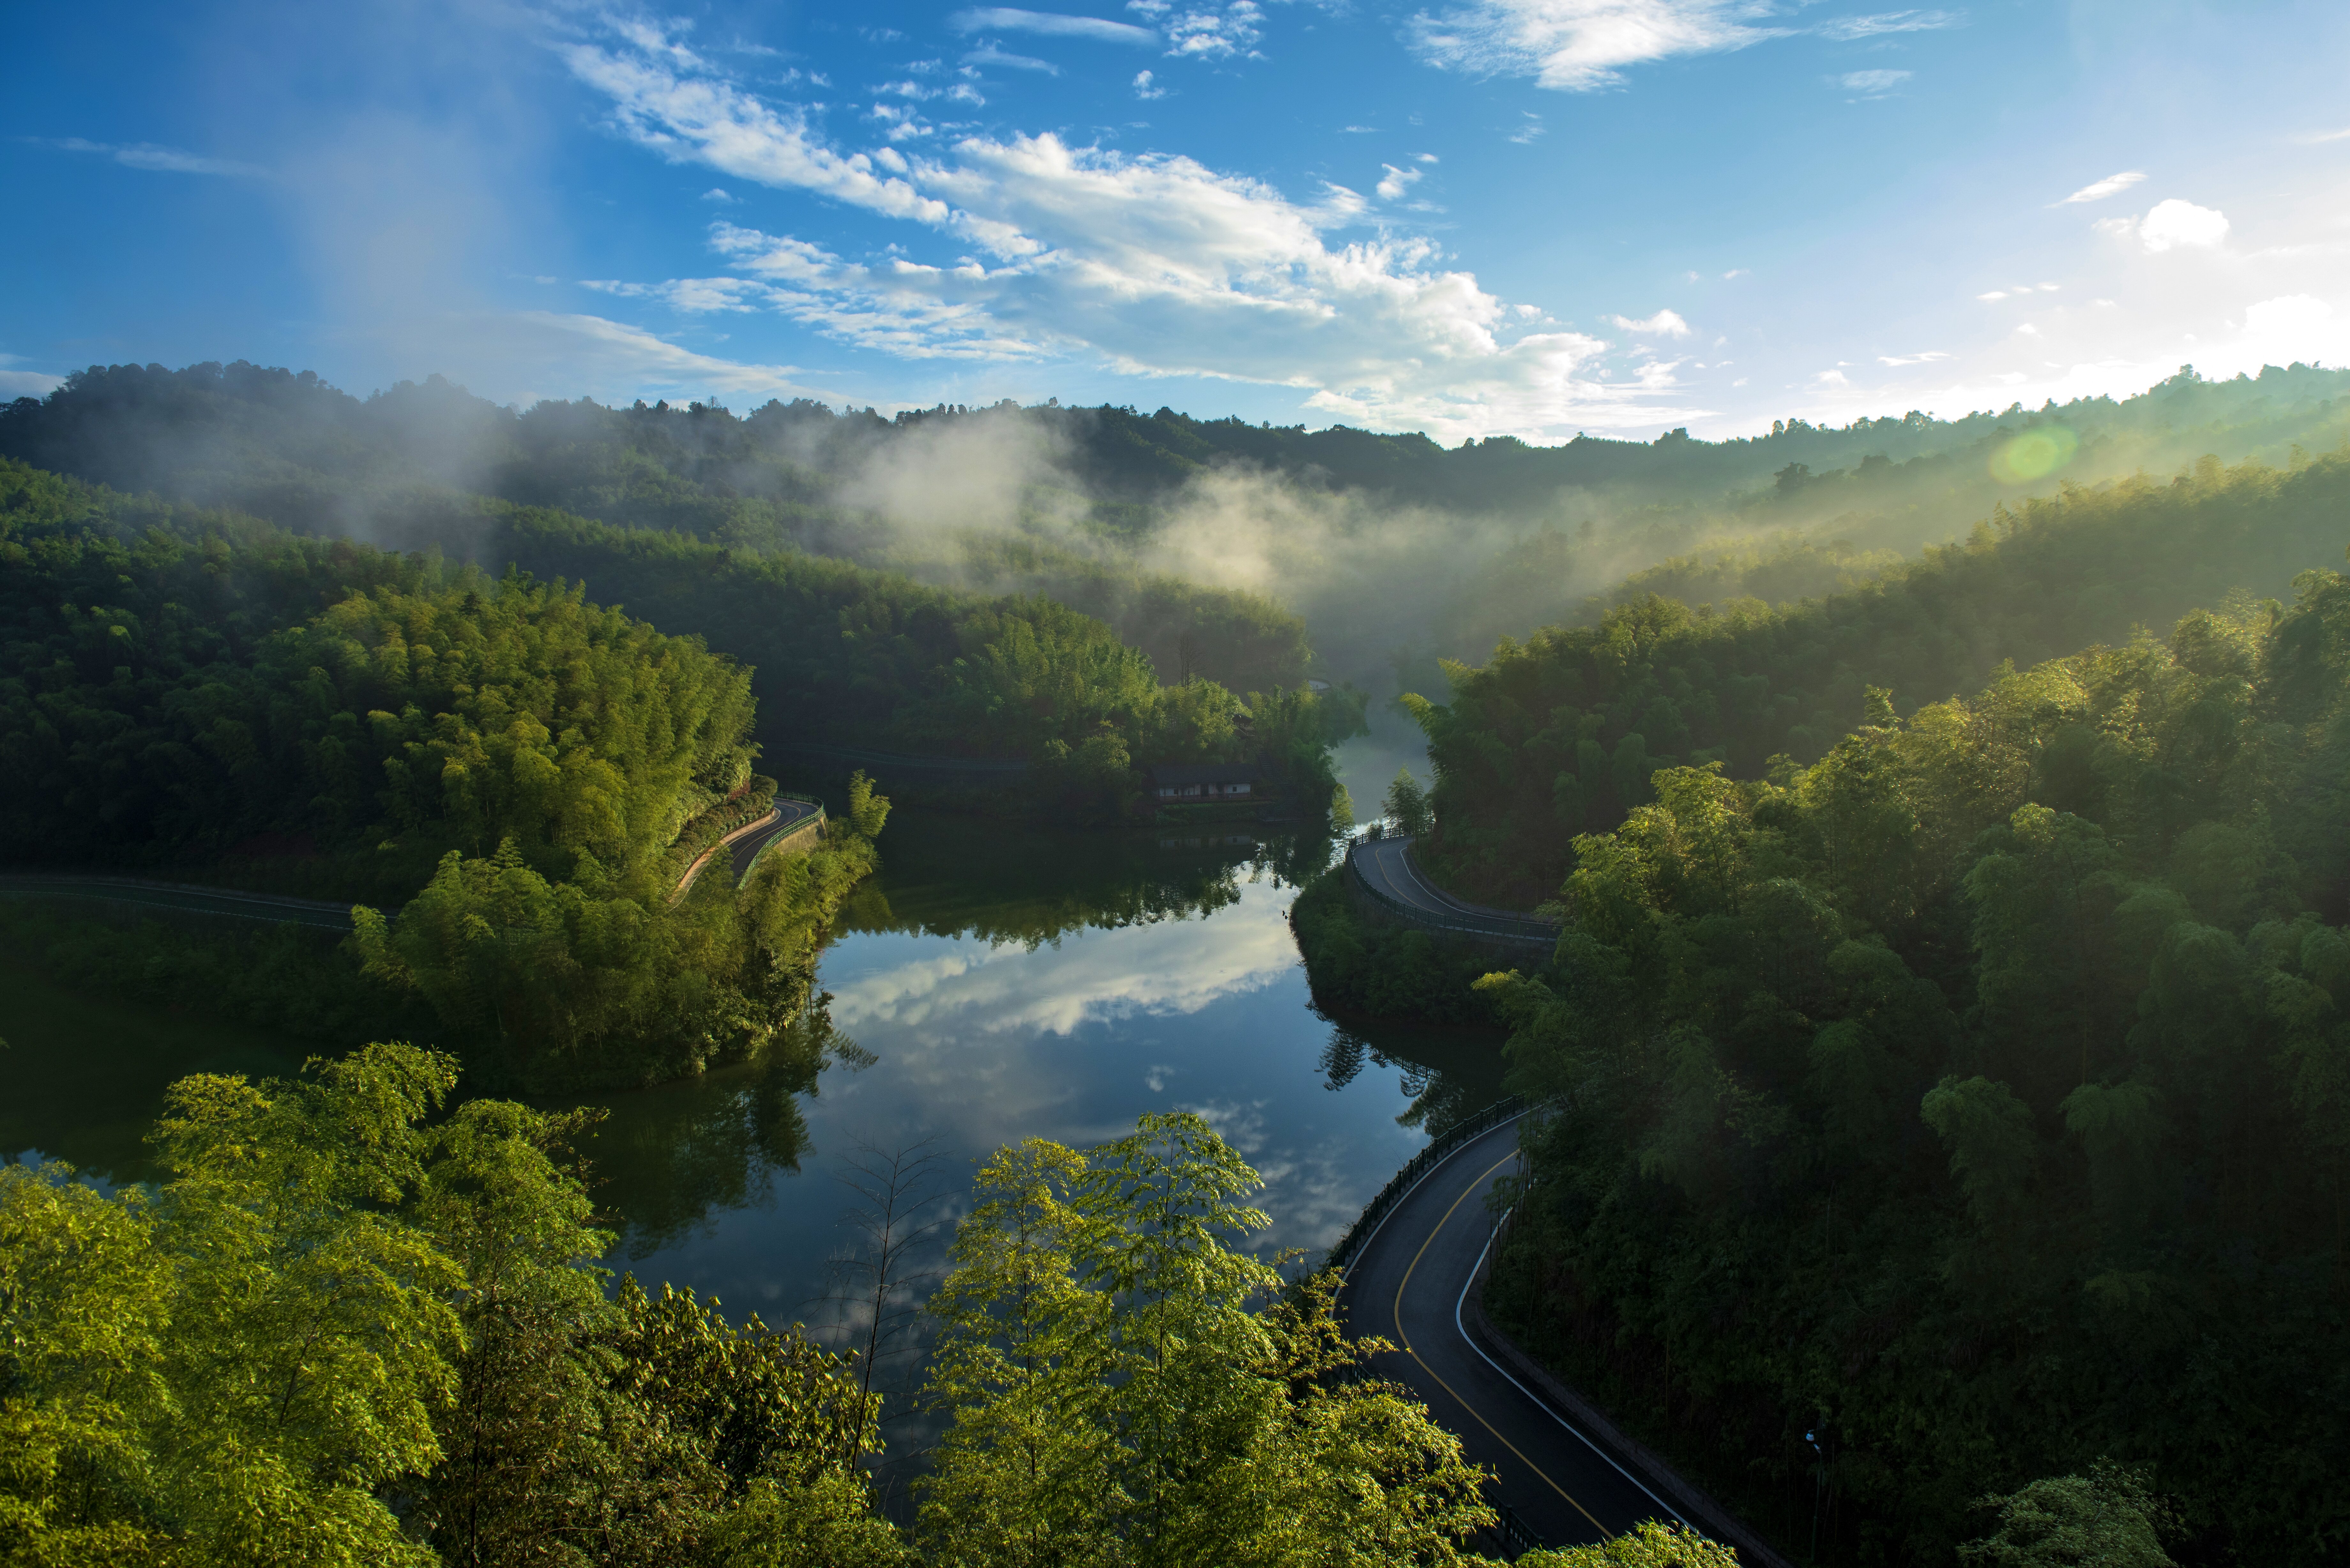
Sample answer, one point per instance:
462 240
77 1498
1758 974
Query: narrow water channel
1009 983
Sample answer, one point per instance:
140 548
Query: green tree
1118 1394
1649 1544
2107 1518
1406 806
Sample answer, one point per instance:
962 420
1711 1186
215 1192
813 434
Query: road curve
1386 866
1406 1286
788 817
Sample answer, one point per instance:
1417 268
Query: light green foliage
593 981
1406 806
1976 1091
338 1335
232 1374
2107 1518
1649 1544
1119 1397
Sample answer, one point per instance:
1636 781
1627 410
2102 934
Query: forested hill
1972 1105
157 655
1558 735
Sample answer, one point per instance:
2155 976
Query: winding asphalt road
1386 867
1407 1285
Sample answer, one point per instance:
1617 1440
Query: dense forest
1557 736
1972 1099
350 1326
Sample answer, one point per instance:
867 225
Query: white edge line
1538 1401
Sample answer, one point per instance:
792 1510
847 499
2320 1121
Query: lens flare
2035 454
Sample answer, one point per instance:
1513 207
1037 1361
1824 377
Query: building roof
1202 773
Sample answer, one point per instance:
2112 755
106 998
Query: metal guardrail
1459 921
816 821
1404 1181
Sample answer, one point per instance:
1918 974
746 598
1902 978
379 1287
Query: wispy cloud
1395 183
1846 29
1052 24
1926 359
155 159
1664 323
2098 190
1147 266
1873 84
1582 45
1144 88
1532 130
989 54
2319 137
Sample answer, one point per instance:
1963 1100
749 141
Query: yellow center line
1476 1186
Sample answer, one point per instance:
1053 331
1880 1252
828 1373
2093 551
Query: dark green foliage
1557 736
1362 968
1974 1099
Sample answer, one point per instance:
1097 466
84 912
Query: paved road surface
1406 1286
789 816
1385 865
267 907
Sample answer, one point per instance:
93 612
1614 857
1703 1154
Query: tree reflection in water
1450 1075
684 1150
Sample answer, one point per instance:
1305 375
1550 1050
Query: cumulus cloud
1395 182
1145 89
2097 191
1051 24
1663 324
1845 29
1149 264
155 159
2174 224
1581 45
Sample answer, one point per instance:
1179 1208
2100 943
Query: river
998 982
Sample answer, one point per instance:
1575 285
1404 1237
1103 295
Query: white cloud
1873 84
155 159
1994 294
694 295
1532 129
1151 265
716 194
1143 88
1052 24
1830 378
28 383
989 54
1395 182
2097 191
1926 359
1580 46
1425 158
1210 35
1847 29
1737 272
2319 137
1664 323
2174 222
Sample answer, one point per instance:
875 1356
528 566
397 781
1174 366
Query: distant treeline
1558 735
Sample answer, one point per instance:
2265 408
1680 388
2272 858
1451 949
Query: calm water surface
1003 983
1009 985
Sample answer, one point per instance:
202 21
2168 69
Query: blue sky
1465 216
